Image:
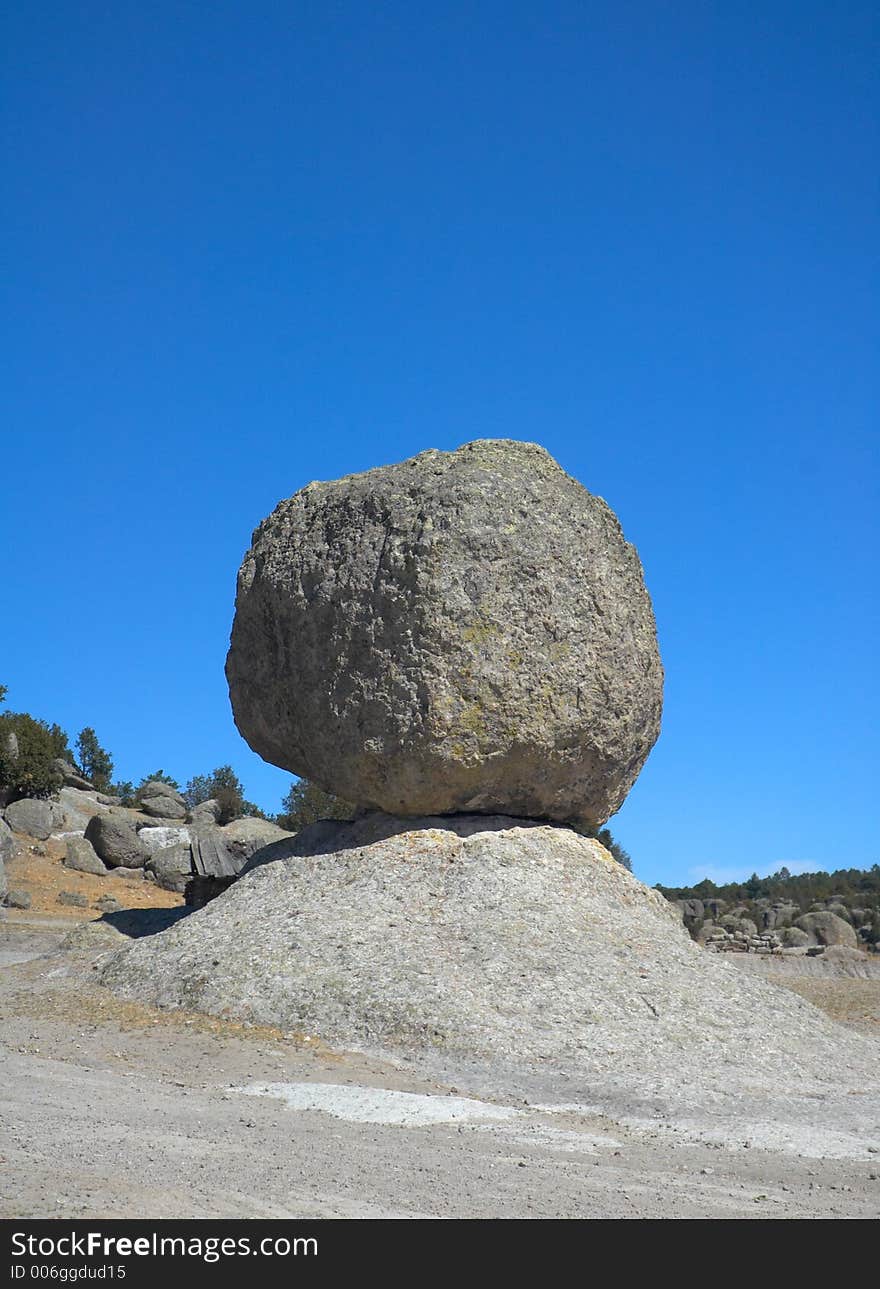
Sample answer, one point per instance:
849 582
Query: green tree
95 761
227 791
198 789
224 786
28 749
158 776
305 803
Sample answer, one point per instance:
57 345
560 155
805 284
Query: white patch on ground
562 1139
9 957
379 1105
808 1141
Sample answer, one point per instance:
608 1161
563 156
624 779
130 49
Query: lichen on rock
462 631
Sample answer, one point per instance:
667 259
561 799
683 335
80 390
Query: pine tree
95 761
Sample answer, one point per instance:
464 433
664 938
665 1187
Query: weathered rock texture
81 855
482 938
161 800
828 928
33 816
116 841
7 850
464 631
203 849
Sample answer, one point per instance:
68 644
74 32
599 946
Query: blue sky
249 245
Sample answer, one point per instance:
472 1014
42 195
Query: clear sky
251 244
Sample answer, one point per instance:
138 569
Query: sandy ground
44 877
116 1110
849 994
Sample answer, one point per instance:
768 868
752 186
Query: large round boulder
464 631
828 928
116 841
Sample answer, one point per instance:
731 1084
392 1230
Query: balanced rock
464 631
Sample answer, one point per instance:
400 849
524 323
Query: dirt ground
850 995
43 877
116 1110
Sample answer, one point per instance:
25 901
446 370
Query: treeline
854 887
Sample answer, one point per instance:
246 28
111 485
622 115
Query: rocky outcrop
176 854
464 631
75 899
244 837
81 856
161 801
78 806
171 866
116 840
155 839
70 776
719 939
828 928
207 812
36 817
792 937
474 938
